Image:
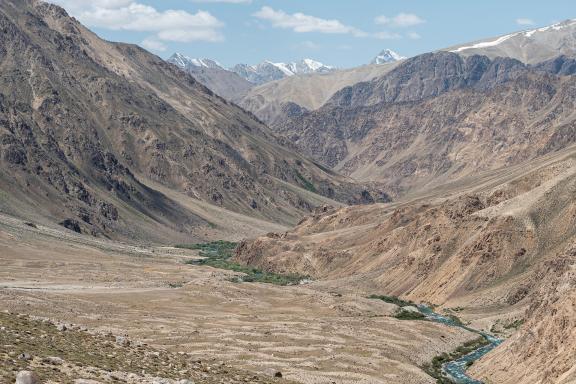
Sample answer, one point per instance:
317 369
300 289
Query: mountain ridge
92 121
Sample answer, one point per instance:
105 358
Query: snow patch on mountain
528 34
387 56
186 62
270 71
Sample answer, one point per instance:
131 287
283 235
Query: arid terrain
315 333
317 225
498 247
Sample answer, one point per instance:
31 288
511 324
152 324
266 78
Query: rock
86 381
273 372
26 377
24 356
123 341
53 360
61 327
72 225
184 381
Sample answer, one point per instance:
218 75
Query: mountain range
91 135
446 179
256 74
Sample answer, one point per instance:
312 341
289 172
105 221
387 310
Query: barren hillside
86 124
497 247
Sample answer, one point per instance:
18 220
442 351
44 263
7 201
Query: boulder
24 356
53 360
273 372
27 377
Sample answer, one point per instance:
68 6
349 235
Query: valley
169 219
311 333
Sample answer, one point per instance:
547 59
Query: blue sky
342 33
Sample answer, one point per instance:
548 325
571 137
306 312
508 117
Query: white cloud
299 22
524 21
401 20
414 35
152 44
129 15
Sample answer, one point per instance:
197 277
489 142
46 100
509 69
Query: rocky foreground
36 351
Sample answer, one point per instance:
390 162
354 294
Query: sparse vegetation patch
218 254
393 300
404 314
305 182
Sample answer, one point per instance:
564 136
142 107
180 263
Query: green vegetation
218 254
434 368
455 319
216 247
306 183
404 314
393 300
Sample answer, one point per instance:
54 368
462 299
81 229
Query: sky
341 33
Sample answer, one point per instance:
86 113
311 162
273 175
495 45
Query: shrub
409 315
392 300
217 255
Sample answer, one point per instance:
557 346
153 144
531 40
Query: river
456 369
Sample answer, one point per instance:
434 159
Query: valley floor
314 333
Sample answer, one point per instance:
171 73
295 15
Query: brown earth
314 333
439 117
495 248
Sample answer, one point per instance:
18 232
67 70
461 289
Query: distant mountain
234 83
268 71
188 62
387 56
530 46
210 73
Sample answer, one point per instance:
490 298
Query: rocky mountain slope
268 71
274 102
497 246
530 46
275 90
440 116
277 100
88 124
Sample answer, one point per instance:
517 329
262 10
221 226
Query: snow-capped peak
301 67
285 68
186 62
387 56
